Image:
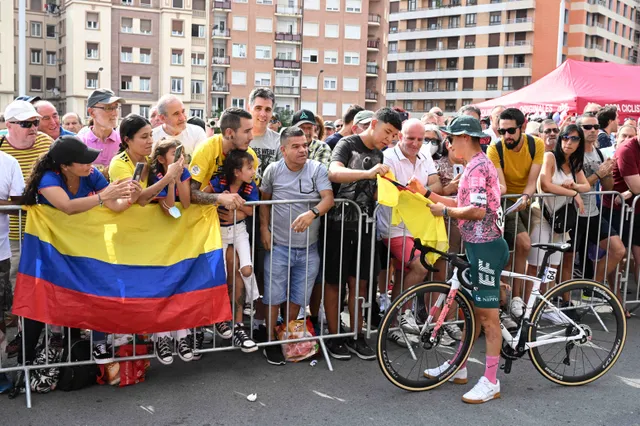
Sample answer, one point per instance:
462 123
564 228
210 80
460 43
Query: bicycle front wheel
405 350
594 309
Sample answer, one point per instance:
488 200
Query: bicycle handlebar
453 259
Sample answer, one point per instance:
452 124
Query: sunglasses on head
432 141
439 113
510 130
571 138
27 124
591 126
554 130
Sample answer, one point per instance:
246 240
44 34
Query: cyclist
477 209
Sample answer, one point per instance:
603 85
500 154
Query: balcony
226 34
374 19
286 91
371 96
198 41
517 65
220 88
222 5
197 97
288 38
373 45
223 61
372 70
443 9
286 64
519 21
283 10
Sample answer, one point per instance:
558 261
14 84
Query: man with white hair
438 112
154 118
50 121
72 122
174 124
104 107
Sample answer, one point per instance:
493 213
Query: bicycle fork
448 301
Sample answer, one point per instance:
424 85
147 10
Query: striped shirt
26 158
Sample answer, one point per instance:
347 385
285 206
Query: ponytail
42 165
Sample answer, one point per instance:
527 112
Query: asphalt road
213 391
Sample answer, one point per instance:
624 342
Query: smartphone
457 169
178 153
137 173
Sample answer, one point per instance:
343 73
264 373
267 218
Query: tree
285 116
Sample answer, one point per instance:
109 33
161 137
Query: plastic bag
298 351
125 373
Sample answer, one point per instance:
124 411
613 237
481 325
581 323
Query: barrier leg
325 353
27 386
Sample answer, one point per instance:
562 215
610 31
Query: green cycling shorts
487 261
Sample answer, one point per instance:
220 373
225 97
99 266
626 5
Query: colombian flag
139 271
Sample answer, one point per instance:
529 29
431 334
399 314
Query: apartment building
323 56
7 70
451 53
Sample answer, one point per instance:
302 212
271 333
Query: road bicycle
574 333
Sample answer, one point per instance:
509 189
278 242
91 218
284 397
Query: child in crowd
177 190
237 177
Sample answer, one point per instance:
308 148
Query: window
36 83
176 85
237 103
145 110
470 20
264 2
454 21
264 25
391 86
178 4
196 112
126 54
333 5
145 56
330 83
467 83
126 83
393 46
263 52
198 59
145 84
239 50
350 84
331 30
494 40
92 80
493 62
51 31
495 18
239 78
92 20
469 62
145 26
176 57
36 56
36 31
450 105
392 67
408 105
126 25
329 109
353 6
51 58
492 83
413 5
352 32
198 31
408 86
409 65
351 58
309 82
197 87
262 79
239 23
36 5
177 29
312 4
51 84
310 55
330 56
311 29
92 51
127 2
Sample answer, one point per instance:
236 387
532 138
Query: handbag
564 219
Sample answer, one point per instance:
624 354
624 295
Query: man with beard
104 107
518 159
549 131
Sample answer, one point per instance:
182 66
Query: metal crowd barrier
632 257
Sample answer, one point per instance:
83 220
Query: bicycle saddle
552 247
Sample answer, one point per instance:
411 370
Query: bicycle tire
384 360
616 314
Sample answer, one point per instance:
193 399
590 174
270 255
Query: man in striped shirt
25 144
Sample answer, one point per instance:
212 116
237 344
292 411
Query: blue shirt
249 192
89 185
64 132
163 194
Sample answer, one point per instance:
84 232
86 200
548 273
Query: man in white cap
24 143
104 107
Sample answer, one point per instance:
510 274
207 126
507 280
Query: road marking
324 395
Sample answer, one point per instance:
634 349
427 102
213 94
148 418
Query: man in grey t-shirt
266 142
291 237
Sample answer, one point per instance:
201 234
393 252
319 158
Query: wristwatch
315 211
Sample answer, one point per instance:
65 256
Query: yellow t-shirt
121 167
516 164
26 159
208 158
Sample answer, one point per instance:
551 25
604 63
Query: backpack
532 149
77 376
45 380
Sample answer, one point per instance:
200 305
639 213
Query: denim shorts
278 269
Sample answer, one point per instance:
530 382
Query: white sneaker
408 322
460 378
517 307
453 331
397 337
482 392
446 340
508 322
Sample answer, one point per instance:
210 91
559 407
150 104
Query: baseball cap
70 149
303 116
30 99
330 125
103 96
20 111
464 125
363 117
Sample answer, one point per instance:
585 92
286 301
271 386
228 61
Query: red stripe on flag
43 301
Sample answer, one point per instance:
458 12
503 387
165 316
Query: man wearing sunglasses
104 107
24 143
518 168
549 131
438 112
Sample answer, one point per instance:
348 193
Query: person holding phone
137 141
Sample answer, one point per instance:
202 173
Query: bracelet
100 202
577 193
445 212
427 194
597 175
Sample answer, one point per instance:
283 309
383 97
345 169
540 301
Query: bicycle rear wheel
596 310
405 352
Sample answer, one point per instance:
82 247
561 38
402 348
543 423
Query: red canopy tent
574 84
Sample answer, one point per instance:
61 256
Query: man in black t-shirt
345 131
355 163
